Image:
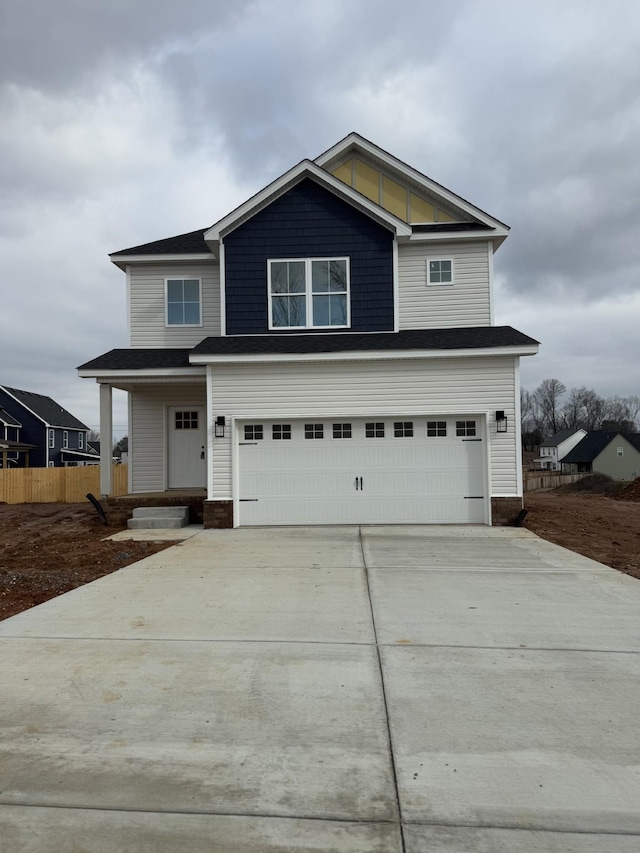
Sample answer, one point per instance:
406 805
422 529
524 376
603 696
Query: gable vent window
342 430
465 428
314 431
620 451
183 301
310 293
440 271
403 429
437 429
281 432
374 430
253 432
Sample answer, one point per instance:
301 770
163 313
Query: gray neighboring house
615 454
554 449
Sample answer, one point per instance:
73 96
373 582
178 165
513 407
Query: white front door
359 471
187 464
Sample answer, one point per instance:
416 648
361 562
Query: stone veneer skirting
504 511
218 514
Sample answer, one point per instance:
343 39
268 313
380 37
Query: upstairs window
184 297
80 441
65 439
310 293
52 439
440 271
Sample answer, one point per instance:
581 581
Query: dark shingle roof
412 339
138 359
558 438
46 409
183 244
8 419
591 445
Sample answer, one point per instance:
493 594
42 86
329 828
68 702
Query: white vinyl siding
148 304
465 302
401 389
148 441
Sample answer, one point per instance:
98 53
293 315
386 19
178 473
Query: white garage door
383 471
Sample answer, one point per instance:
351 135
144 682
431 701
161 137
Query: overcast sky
131 120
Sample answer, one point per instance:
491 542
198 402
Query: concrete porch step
159 517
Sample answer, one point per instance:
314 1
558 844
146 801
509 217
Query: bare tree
548 395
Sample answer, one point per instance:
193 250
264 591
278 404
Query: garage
384 470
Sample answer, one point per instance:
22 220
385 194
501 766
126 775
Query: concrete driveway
328 689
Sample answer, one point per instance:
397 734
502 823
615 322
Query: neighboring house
55 437
554 449
12 449
324 354
615 454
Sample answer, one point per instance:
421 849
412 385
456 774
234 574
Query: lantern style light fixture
501 421
218 429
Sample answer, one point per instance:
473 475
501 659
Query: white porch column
106 439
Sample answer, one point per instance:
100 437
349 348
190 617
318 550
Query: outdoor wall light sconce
501 421
218 429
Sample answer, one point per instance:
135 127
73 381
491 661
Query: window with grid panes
313 431
403 429
374 430
186 420
465 428
342 430
436 429
281 432
253 432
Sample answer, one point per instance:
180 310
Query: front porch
119 509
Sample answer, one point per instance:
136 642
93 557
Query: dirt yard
48 549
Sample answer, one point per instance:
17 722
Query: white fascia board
24 406
289 179
497 235
371 355
356 142
122 260
169 373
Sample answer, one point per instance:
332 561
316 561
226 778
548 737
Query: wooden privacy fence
534 480
56 485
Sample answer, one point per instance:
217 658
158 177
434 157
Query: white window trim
181 277
65 439
308 292
52 439
80 441
440 283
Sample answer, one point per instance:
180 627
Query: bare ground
48 549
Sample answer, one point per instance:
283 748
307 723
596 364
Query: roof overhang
354 143
304 169
123 261
81 454
368 355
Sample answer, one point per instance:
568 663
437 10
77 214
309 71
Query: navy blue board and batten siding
308 221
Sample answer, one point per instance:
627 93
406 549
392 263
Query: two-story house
554 449
55 438
324 354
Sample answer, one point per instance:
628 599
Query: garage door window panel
465 428
374 430
436 429
310 293
281 432
342 430
403 429
314 430
253 432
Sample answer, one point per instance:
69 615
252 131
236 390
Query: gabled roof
304 169
591 446
353 142
7 419
558 438
192 242
44 408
